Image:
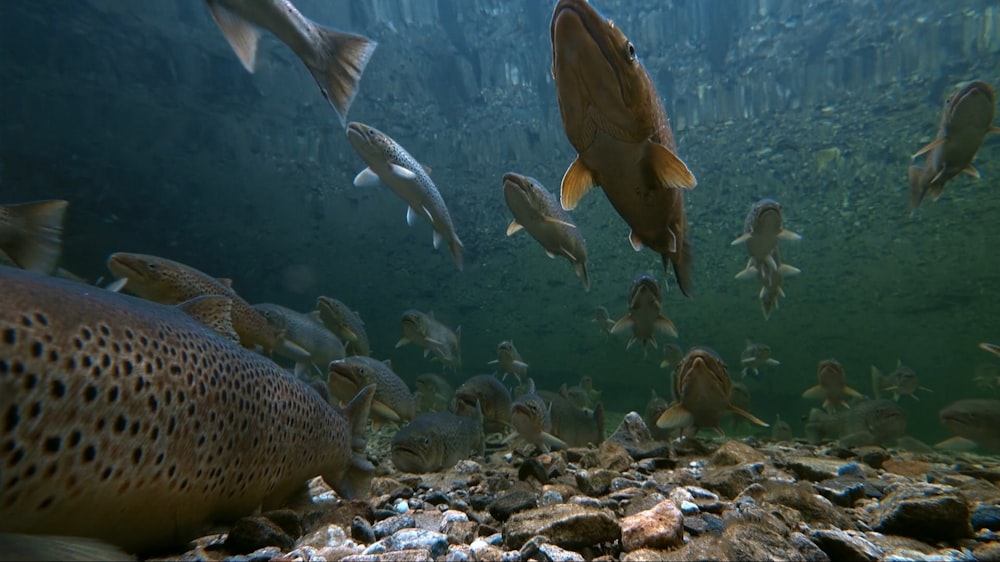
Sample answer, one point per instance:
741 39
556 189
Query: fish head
587 383
414 325
330 308
577 396
831 374
493 398
369 142
523 193
597 71
645 291
275 319
602 315
150 277
506 351
530 414
347 376
977 419
764 217
702 376
972 106
884 419
418 447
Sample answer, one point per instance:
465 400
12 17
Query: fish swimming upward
832 388
335 59
761 231
536 210
509 360
966 120
613 117
31 234
644 316
345 323
426 332
392 164
130 422
302 332
169 282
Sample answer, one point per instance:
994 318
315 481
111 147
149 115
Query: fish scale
131 422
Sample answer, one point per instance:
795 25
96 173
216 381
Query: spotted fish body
130 422
169 282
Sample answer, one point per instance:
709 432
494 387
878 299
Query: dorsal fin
214 311
225 281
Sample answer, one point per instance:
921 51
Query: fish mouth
515 181
124 265
576 21
345 373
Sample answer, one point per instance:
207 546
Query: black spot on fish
70 364
154 433
46 502
101 424
107 473
90 393
17 368
15 458
137 455
9 336
42 319
113 394
129 367
26 321
30 381
87 333
121 424
75 438
153 404
87 362
52 444
53 356
4 367
36 410
58 389
78 343
89 454
105 330
36 349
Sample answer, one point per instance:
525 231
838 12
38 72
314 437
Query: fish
509 360
832 388
761 231
702 389
672 355
437 441
990 348
781 430
130 422
574 426
770 285
901 382
335 59
582 395
345 323
304 332
24 548
755 356
425 331
393 401
645 315
536 210
168 282
604 321
493 398
965 121
391 164
869 422
31 234
613 117
976 419
655 407
433 393
531 417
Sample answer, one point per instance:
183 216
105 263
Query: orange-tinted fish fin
748 415
402 342
674 417
576 182
972 171
383 410
851 392
367 178
789 236
625 323
427 169
631 342
670 170
336 64
214 311
634 240
554 220
514 227
814 393
682 267
242 35
664 323
990 347
930 147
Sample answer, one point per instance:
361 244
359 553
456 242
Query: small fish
604 321
531 417
770 285
574 426
703 391
345 323
614 119
433 393
536 210
645 314
335 59
832 388
781 430
576 395
869 422
672 355
393 401
426 332
169 282
132 423
901 382
976 419
392 164
302 332
493 398
654 409
509 360
966 120
31 234
593 395
761 231
437 441
755 356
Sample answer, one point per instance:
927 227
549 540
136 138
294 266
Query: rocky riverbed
634 498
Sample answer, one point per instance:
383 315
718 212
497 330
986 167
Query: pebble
986 517
660 527
435 543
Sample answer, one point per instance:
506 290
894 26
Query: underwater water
140 115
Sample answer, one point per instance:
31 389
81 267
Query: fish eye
630 48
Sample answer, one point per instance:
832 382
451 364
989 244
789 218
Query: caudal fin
456 247
682 267
35 237
337 66
918 187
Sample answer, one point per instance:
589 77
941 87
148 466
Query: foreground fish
303 332
345 323
426 332
536 210
755 356
493 398
392 164
169 282
761 231
901 382
645 316
393 401
613 117
703 389
130 422
335 59
509 360
832 388
437 441
966 120
31 234
869 422
531 417
976 419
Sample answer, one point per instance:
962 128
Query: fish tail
337 65
456 247
37 237
682 267
918 187
581 272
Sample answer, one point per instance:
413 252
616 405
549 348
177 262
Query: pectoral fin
814 393
576 182
634 240
674 417
553 442
747 415
741 239
514 227
401 172
789 235
664 323
242 35
366 178
972 171
930 147
670 170
559 222
384 411
402 342
623 324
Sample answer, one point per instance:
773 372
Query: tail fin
337 66
682 267
456 247
917 187
581 272
37 234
